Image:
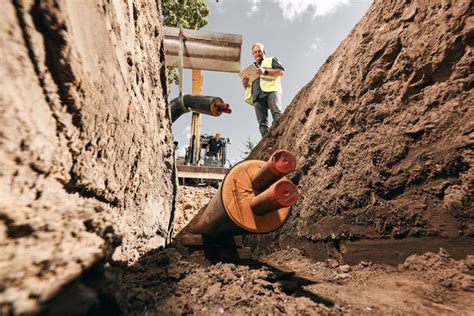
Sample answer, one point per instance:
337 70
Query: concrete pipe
213 106
238 208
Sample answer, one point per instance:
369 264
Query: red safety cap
283 193
281 162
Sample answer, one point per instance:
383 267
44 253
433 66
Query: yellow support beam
195 141
197 82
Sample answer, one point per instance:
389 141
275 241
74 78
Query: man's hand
245 82
260 71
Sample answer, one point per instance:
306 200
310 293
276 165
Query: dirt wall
86 163
384 132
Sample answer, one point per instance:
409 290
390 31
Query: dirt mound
384 132
176 281
172 283
189 201
86 160
457 275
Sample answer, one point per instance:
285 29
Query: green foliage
249 144
189 14
173 76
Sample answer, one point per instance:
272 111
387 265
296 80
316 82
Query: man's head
218 136
258 52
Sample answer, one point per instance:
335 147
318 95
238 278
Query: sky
302 34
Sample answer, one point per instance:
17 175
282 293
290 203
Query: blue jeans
273 103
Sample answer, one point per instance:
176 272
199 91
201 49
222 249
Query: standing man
264 93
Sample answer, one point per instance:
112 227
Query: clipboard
250 71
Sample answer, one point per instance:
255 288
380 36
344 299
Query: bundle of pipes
254 197
213 106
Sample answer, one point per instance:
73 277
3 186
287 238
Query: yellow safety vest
267 83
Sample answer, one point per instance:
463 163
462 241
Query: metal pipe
238 208
213 106
203 50
281 163
224 107
282 193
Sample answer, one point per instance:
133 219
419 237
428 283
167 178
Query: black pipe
213 106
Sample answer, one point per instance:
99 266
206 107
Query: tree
249 144
189 14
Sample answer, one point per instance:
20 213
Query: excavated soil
383 136
167 282
189 201
170 281
383 140
84 135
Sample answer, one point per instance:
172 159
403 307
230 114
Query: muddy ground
169 281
